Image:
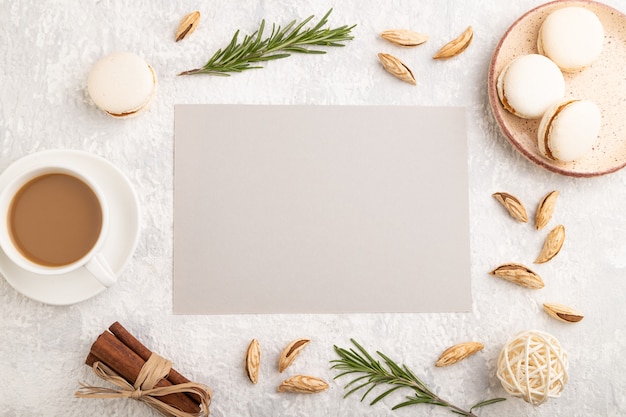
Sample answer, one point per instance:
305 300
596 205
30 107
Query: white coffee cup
93 259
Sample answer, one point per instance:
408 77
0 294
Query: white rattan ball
533 366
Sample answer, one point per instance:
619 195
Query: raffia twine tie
155 369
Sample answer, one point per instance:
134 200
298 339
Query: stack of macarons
122 84
533 86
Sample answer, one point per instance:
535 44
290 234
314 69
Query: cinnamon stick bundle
126 362
136 346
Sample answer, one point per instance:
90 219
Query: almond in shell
545 209
253 361
456 46
562 313
404 37
519 274
397 68
187 25
552 245
458 352
513 205
289 353
303 384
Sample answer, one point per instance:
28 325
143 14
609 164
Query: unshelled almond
513 205
303 384
519 274
563 313
397 68
253 361
290 352
404 37
552 245
458 352
545 209
187 25
456 46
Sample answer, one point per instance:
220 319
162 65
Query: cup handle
99 268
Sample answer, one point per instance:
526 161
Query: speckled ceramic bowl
603 82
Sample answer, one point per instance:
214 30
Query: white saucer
121 242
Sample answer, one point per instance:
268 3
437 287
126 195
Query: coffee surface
55 219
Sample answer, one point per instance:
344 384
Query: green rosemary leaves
370 373
281 43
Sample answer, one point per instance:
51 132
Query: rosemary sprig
237 57
370 373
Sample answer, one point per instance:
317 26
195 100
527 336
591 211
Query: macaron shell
142 108
529 85
500 90
544 127
569 130
121 84
572 37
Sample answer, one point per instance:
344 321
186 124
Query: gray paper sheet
320 209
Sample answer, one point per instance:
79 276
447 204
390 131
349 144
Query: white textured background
46 50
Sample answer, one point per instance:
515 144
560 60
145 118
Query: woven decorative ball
533 366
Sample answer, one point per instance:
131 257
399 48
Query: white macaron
572 37
529 84
569 129
122 84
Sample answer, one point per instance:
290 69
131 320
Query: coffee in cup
56 222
